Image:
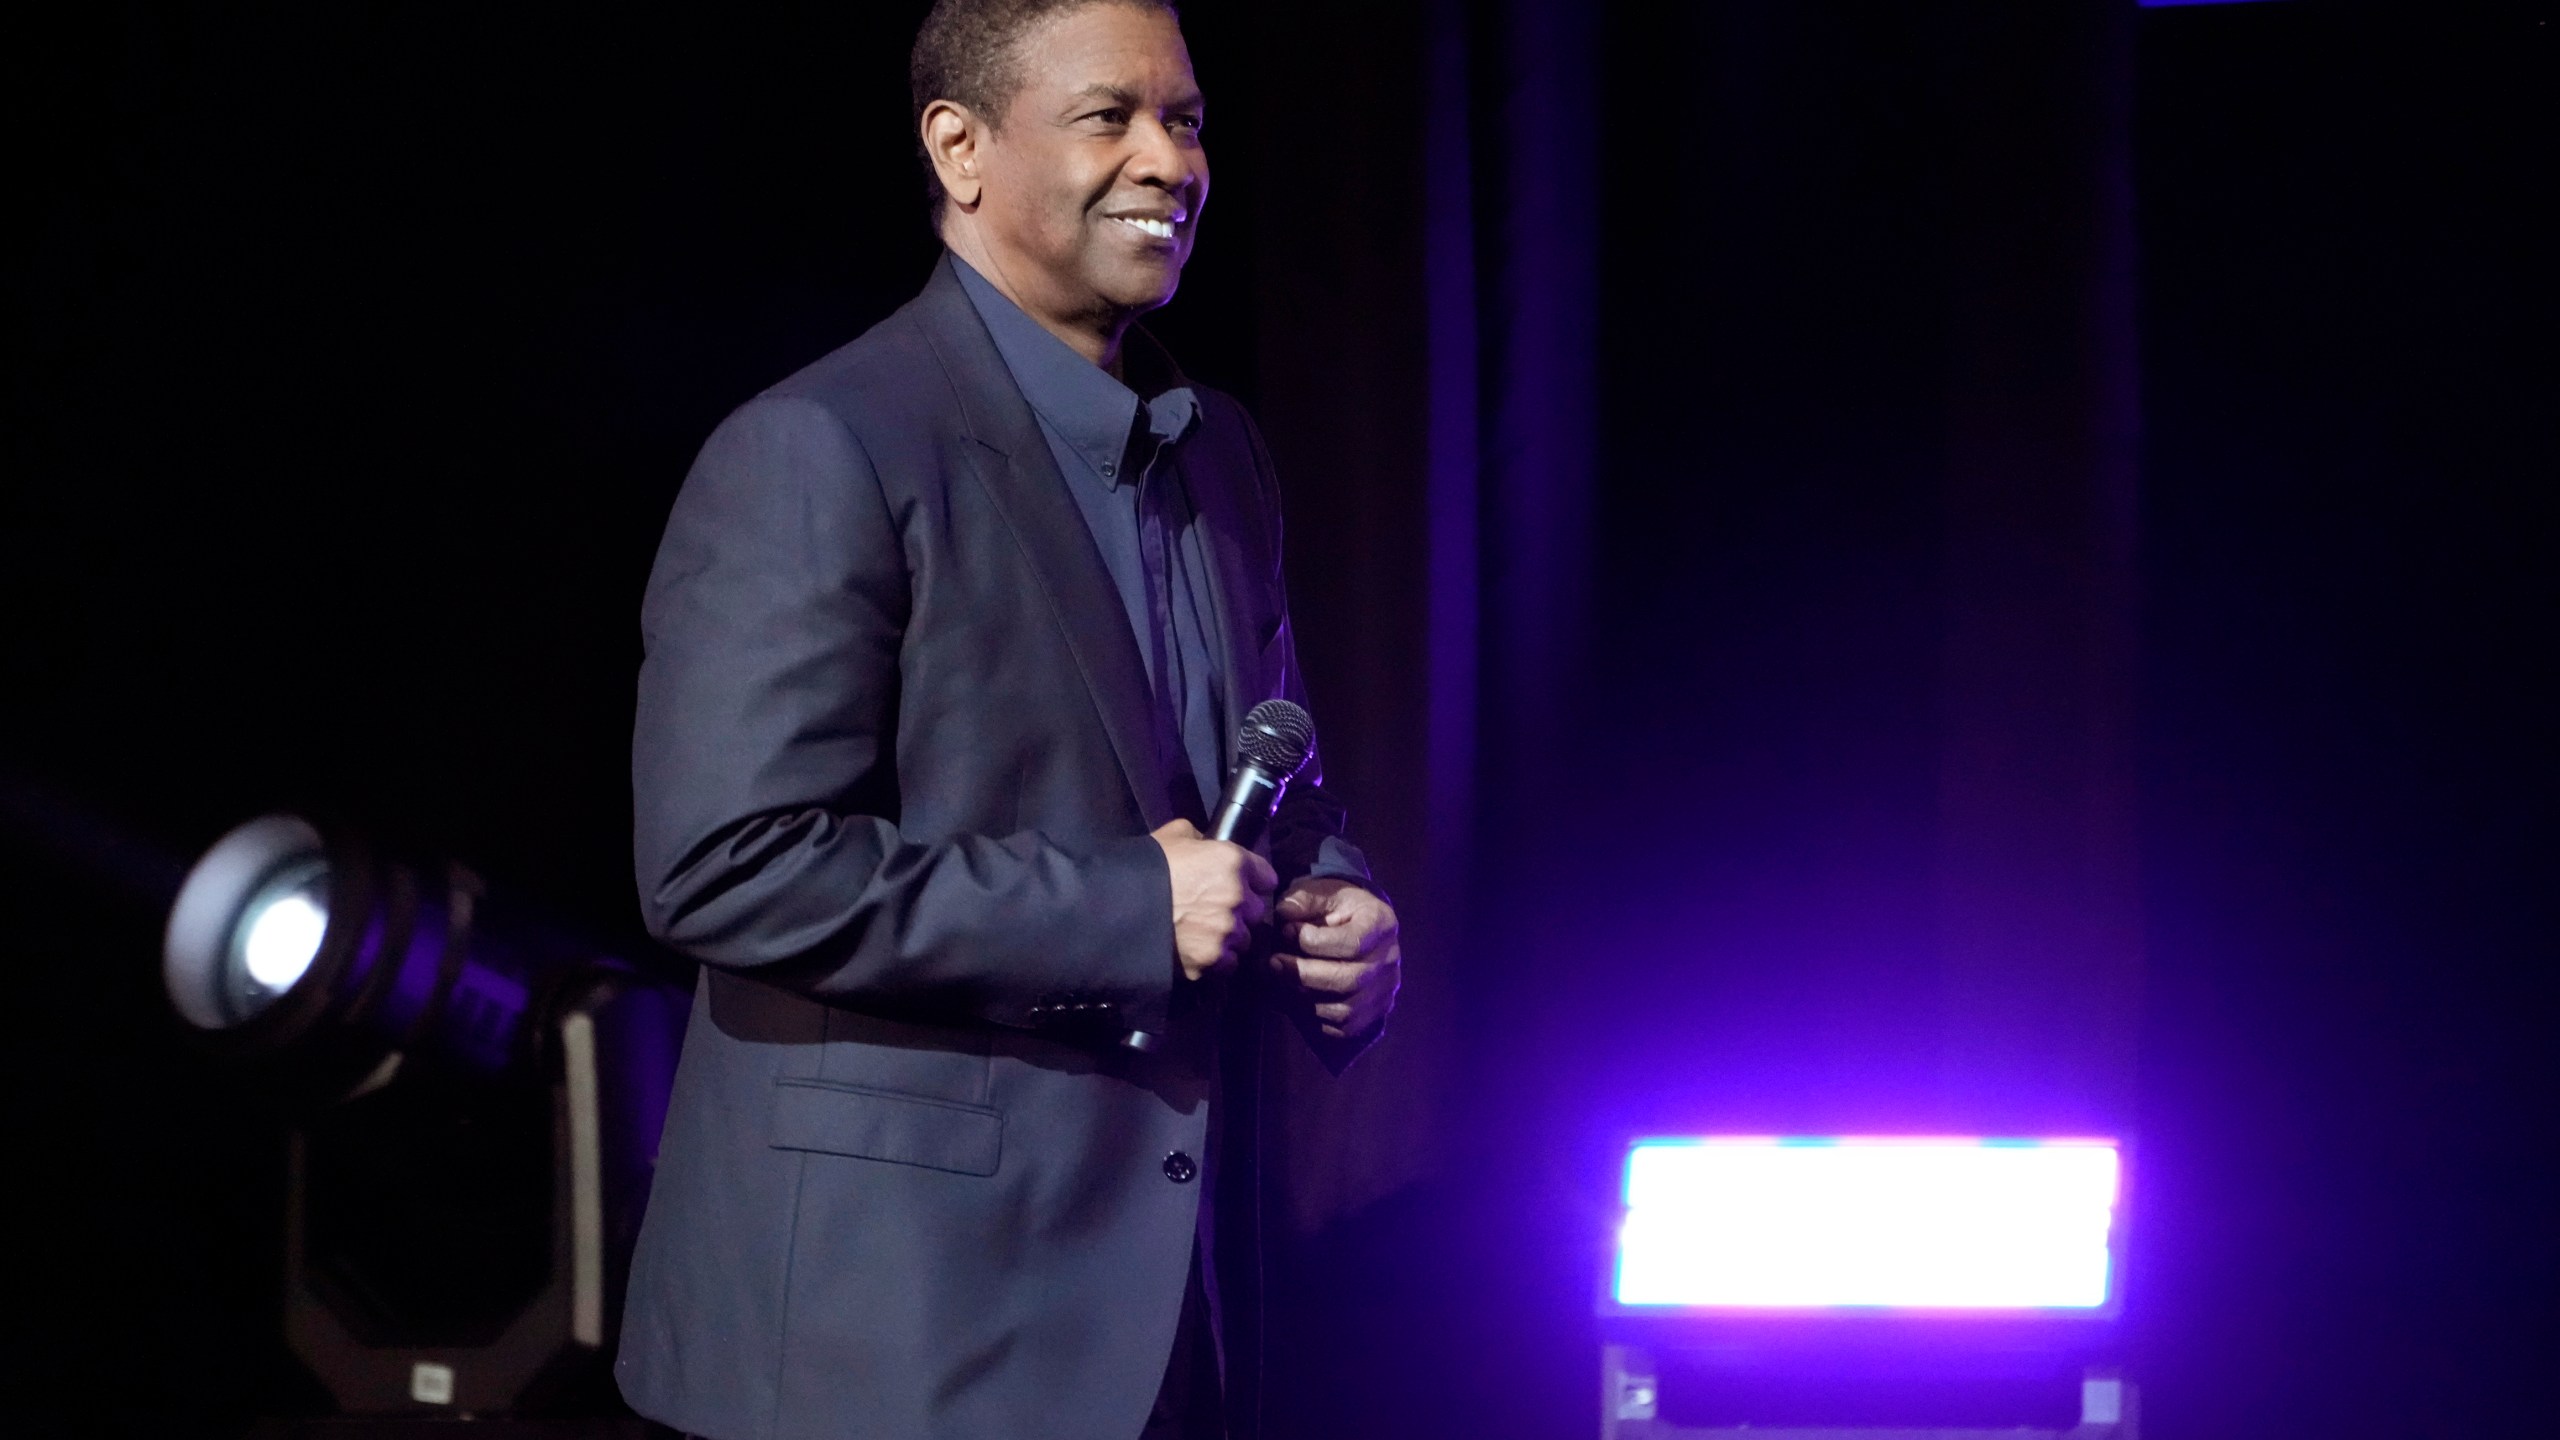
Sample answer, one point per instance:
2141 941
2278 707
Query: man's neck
1095 337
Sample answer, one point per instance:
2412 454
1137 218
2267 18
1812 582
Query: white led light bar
1753 1223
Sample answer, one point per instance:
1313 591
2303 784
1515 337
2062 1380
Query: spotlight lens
276 937
283 940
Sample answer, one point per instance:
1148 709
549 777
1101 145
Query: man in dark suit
947 642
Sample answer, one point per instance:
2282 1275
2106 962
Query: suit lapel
1021 477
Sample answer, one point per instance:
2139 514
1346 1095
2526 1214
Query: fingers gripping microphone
1272 746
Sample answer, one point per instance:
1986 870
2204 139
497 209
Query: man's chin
1137 287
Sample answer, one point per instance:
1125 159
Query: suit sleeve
764 781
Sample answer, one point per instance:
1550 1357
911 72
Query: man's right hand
1220 891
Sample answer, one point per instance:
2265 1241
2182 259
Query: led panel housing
1763 1224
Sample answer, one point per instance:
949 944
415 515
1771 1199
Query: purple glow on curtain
1451 449
1544 427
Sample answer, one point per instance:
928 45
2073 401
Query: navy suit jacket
894 772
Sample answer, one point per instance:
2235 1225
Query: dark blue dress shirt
1119 447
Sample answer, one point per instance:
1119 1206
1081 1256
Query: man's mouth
1147 225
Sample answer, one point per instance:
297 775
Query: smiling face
1083 204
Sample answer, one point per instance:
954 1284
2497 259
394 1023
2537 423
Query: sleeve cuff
1339 859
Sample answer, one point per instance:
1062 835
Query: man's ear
953 136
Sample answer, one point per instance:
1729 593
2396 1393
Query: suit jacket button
1179 1168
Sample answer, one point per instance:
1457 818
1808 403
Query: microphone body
1272 746
1245 811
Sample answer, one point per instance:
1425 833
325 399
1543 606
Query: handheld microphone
1272 746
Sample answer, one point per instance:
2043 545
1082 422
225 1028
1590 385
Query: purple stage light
1894 1223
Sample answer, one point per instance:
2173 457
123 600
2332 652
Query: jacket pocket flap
878 1125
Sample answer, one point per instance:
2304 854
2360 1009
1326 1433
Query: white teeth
1160 229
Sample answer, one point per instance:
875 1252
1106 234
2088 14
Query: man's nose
1166 158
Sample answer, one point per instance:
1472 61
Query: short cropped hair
967 52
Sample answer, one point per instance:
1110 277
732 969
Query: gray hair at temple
968 52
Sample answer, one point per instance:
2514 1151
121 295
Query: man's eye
1113 116
1187 124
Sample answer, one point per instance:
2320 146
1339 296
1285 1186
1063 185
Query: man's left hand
1340 953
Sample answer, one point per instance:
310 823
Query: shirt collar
1096 414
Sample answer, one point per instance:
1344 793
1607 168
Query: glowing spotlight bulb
283 940
251 924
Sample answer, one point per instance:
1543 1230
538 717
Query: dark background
355 355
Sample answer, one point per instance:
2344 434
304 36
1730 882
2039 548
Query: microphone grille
1276 738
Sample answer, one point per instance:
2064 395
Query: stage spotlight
477 1095
333 961
1925 1284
